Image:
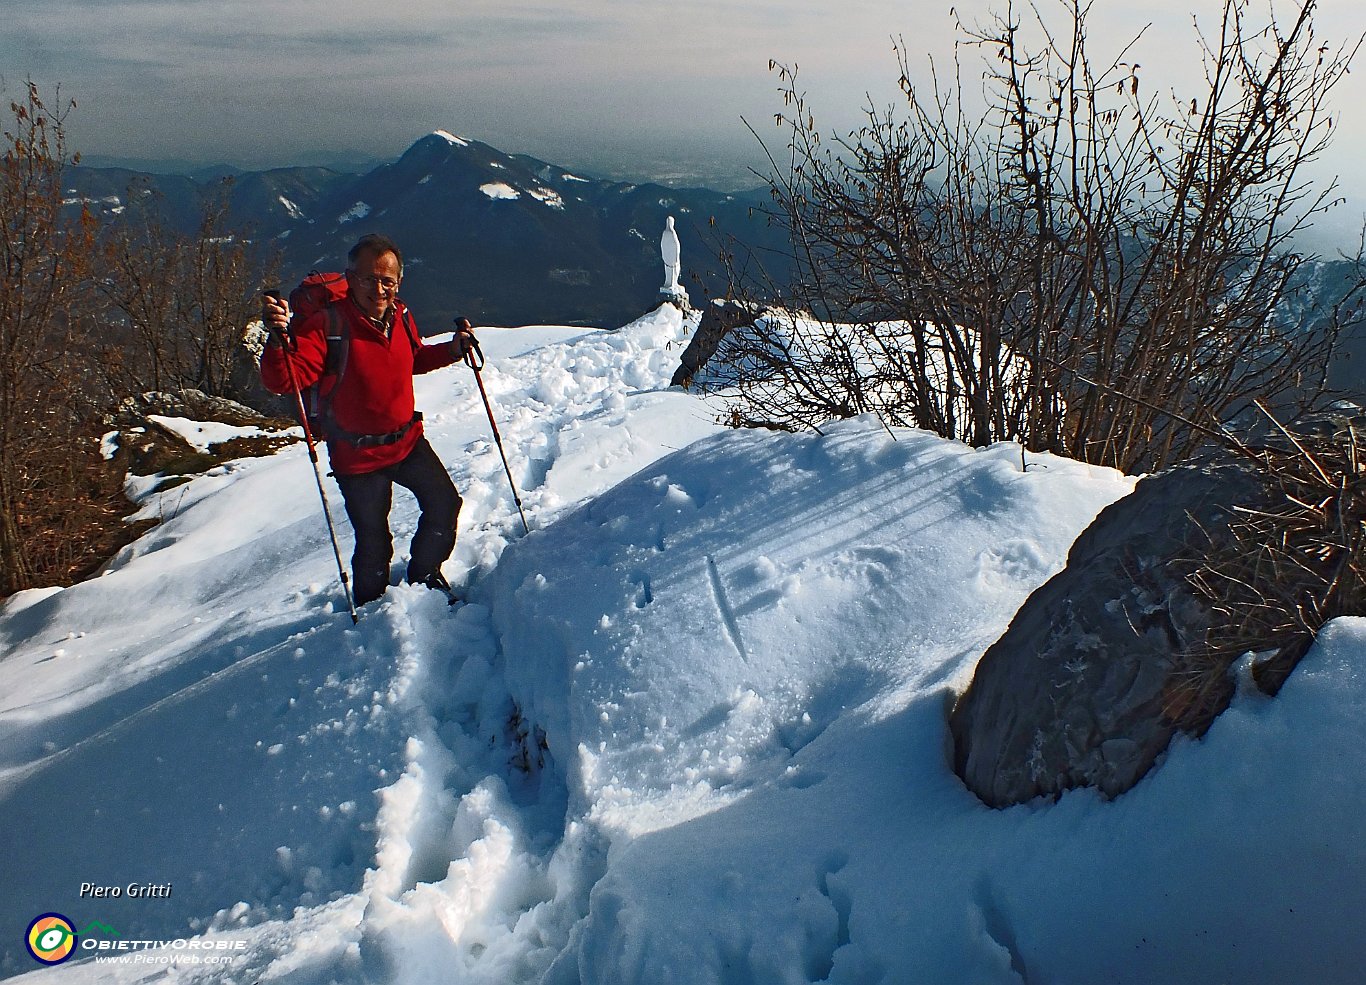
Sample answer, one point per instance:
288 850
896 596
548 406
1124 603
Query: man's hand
275 313
463 339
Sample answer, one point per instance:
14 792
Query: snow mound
202 434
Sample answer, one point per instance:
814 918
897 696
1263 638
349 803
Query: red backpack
323 292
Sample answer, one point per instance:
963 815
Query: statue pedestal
675 293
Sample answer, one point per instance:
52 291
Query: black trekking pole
474 358
317 469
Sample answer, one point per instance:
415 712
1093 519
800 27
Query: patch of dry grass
75 520
1280 570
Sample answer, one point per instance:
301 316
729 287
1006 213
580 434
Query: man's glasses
383 283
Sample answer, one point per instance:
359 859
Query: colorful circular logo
50 938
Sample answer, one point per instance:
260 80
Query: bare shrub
1086 267
45 443
180 302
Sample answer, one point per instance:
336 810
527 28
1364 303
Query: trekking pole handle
473 356
282 334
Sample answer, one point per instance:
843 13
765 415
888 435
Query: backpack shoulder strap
409 327
338 344
317 400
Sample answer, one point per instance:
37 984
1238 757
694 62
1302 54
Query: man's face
374 280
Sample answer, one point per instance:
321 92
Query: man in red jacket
374 434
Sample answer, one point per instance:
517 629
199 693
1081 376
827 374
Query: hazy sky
579 82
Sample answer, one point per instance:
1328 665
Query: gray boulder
244 375
147 447
193 404
1085 687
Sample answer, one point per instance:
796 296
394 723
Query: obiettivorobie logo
51 938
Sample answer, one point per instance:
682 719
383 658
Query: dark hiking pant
368 499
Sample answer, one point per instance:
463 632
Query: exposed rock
193 404
718 320
244 375
148 447
1082 689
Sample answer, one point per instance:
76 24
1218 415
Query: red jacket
375 395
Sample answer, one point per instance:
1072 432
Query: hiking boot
437 583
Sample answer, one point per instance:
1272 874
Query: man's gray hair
378 244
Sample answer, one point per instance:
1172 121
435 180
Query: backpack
323 292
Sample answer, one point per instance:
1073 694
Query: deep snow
691 729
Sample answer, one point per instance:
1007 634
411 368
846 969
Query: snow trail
410 701
466 873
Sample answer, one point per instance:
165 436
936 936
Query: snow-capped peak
450 138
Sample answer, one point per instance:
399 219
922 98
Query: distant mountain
508 239
352 163
498 238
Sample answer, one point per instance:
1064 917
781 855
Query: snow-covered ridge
738 648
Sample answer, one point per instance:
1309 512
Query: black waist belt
373 440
